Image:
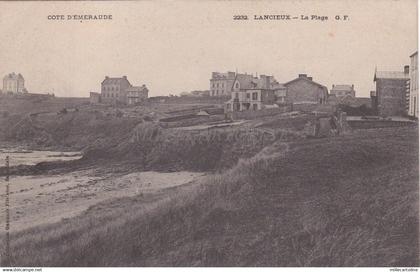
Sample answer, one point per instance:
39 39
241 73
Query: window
255 106
237 95
254 96
237 85
228 106
213 85
248 95
217 85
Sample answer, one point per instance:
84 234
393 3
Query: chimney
125 77
352 86
406 69
310 78
302 75
106 77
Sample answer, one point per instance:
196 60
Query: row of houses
265 92
118 90
396 92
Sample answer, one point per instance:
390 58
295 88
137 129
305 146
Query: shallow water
32 157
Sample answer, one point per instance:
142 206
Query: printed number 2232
240 17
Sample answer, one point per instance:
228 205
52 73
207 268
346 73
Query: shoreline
44 199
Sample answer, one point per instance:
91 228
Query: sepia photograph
209 134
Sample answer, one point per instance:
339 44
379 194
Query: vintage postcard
209 134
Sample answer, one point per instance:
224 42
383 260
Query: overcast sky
173 46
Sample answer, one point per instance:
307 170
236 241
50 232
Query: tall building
113 89
391 90
14 84
221 83
413 103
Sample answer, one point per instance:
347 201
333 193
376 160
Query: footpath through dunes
345 201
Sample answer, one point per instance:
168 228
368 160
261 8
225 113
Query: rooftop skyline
175 46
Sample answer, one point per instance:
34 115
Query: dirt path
36 200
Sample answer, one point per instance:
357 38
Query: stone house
113 89
14 84
280 92
342 91
222 84
303 90
250 99
119 90
136 94
413 103
391 92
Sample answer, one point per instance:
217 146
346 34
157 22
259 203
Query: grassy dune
346 201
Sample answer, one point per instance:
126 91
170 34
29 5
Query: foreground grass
346 201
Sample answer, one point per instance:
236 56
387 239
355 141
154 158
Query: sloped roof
246 81
306 79
142 88
114 80
342 87
13 76
391 75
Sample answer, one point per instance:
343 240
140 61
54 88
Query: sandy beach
44 199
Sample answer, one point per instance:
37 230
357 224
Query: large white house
14 84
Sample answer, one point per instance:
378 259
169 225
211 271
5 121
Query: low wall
314 107
366 124
251 114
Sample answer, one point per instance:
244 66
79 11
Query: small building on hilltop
14 84
303 90
391 92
